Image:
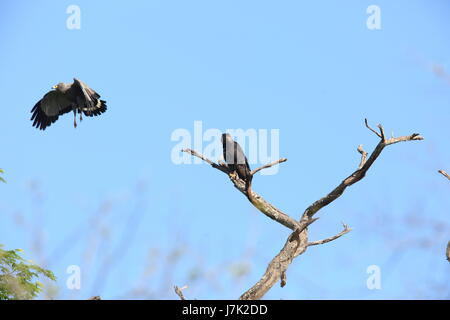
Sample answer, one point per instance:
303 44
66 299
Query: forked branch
361 171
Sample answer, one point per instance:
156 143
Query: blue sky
312 70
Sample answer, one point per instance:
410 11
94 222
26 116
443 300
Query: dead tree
298 242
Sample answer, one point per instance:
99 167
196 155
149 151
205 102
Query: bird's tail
248 188
96 109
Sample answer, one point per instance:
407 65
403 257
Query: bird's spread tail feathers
96 109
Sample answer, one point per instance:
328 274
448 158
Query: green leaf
19 279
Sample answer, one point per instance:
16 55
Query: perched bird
66 97
236 160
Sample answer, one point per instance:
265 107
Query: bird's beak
55 86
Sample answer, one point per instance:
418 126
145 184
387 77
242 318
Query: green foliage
19 278
1 179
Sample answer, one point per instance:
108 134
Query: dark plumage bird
235 158
66 97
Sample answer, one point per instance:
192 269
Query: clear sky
108 197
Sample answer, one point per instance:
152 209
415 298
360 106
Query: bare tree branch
445 174
269 165
368 127
297 242
283 279
360 173
179 291
363 156
295 245
220 167
383 136
259 202
277 267
340 234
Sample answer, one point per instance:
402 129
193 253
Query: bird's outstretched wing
88 100
49 108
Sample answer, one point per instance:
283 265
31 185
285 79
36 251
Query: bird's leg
81 115
234 175
75 118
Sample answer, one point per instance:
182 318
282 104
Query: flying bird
236 160
66 97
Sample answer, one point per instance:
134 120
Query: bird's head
226 137
60 86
